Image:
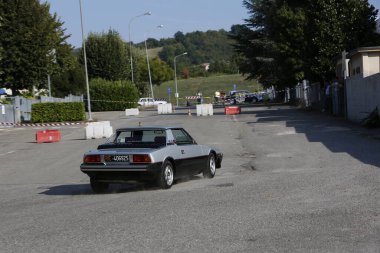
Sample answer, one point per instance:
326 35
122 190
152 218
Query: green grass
206 85
153 52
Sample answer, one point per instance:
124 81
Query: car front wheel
166 177
209 171
98 187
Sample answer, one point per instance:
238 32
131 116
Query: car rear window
137 139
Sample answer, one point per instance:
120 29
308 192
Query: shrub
372 120
58 112
112 95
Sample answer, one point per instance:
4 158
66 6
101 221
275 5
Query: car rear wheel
209 171
98 187
166 177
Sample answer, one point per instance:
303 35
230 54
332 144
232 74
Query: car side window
181 137
122 136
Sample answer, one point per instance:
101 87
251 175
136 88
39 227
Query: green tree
71 81
29 36
334 26
161 72
107 56
284 41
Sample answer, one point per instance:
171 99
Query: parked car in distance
149 102
243 96
158 154
252 98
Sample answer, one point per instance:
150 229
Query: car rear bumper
116 173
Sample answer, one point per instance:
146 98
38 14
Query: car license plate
116 158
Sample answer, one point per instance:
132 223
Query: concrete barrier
164 108
205 110
132 112
98 130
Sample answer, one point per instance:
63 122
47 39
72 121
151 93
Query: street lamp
175 75
147 61
54 60
85 63
130 40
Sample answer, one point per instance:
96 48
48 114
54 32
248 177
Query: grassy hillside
153 52
206 85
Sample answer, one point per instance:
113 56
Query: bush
372 120
112 95
58 112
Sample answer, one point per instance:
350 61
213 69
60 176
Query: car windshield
136 138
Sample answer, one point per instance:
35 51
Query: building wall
356 65
363 95
370 64
365 64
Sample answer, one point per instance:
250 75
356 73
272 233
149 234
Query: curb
41 124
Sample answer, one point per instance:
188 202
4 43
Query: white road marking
10 152
289 132
277 155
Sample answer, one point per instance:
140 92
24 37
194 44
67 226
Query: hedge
58 112
112 95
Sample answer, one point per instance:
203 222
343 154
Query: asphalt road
291 181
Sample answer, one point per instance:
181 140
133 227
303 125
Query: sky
175 15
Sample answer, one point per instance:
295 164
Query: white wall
363 95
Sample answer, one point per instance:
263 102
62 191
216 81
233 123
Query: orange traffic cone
189 112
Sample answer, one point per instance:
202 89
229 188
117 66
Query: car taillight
141 159
91 159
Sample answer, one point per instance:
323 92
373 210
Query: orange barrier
232 110
48 136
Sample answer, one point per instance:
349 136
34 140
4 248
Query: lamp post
85 63
147 61
130 40
175 75
54 60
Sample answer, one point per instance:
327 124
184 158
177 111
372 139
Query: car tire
98 187
166 177
209 171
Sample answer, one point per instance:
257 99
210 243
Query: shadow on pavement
337 134
85 189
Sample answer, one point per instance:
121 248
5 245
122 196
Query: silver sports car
160 154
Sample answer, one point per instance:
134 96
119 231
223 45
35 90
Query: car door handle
182 151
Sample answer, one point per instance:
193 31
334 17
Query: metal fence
7 114
314 96
20 109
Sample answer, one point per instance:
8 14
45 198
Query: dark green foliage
372 120
29 36
285 41
214 47
107 56
160 72
58 112
69 82
112 95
